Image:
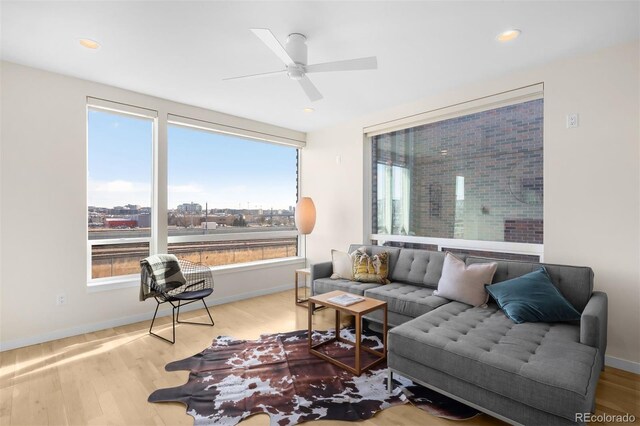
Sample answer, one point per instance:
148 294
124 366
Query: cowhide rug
234 379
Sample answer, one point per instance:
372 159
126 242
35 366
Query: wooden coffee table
357 310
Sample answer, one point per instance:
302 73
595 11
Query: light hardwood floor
105 377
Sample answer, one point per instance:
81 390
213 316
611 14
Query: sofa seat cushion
406 299
325 285
539 364
393 319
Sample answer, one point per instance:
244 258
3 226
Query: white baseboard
622 364
89 328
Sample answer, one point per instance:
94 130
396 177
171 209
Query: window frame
511 97
159 238
97 104
191 123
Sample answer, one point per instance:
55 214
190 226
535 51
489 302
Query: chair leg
208 313
193 322
173 312
173 321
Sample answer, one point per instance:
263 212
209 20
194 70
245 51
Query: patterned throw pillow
371 269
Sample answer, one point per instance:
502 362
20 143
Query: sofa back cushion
574 282
419 267
373 250
423 268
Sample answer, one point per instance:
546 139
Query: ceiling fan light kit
294 56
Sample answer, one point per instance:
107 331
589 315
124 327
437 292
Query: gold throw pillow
371 269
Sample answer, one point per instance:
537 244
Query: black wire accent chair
198 285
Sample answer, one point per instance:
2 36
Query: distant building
94 209
223 219
144 220
129 209
190 208
209 225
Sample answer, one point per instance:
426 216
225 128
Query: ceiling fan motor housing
296 47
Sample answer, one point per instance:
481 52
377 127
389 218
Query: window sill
129 281
499 246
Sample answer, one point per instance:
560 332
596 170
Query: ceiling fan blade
262 74
272 43
370 63
312 92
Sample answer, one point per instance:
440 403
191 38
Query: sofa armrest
320 270
593 323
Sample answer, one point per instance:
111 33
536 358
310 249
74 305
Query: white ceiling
182 50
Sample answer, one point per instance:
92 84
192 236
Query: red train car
114 222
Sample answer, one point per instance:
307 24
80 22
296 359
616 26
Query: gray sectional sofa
530 373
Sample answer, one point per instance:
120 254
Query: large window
119 191
476 177
230 199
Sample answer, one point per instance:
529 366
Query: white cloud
117 186
190 188
261 195
234 189
118 193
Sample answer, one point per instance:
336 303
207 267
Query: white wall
43 210
591 194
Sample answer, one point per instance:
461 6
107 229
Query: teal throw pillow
532 298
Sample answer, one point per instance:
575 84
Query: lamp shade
305 215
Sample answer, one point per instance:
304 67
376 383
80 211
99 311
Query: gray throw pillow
464 283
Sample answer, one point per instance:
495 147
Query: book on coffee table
345 299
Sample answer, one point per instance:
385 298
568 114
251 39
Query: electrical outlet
61 299
572 120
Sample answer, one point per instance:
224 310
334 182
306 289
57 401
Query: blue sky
225 171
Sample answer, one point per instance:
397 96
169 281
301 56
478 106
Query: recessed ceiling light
89 44
308 110
444 152
508 35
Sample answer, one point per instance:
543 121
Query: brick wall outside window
498 155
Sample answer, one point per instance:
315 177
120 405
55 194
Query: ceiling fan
294 56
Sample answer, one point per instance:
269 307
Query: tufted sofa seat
532 373
542 365
407 299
